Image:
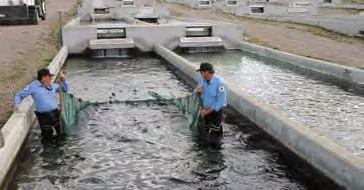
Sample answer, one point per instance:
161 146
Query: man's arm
198 89
63 83
64 86
21 95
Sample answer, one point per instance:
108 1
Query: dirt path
299 39
24 49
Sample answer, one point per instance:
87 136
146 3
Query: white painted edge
17 127
333 160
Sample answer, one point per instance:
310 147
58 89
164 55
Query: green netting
71 107
190 107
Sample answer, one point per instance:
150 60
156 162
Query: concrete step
121 43
200 42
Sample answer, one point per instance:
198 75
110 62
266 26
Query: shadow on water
148 145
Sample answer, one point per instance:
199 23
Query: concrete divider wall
329 158
76 37
17 127
157 34
280 13
342 72
234 33
85 9
351 28
132 20
346 26
120 12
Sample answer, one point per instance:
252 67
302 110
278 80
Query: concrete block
200 42
112 43
77 36
230 36
131 20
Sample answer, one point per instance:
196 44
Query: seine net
71 107
189 106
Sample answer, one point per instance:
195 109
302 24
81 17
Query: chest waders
210 124
47 122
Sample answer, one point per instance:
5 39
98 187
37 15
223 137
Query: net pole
201 102
60 105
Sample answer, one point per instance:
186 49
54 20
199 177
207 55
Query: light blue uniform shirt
214 93
44 99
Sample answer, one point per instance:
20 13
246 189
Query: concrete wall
350 28
345 6
242 8
84 11
331 159
131 20
166 35
77 40
118 10
341 24
229 33
345 73
76 37
282 13
275 10
17 127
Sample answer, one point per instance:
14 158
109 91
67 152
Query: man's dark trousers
48 121
211 124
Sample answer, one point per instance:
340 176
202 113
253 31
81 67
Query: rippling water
329 107
147 145
132 79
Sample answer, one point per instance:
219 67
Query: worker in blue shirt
44 94
212 90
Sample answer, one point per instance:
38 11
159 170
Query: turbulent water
135 144
329 107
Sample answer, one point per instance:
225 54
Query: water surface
133 144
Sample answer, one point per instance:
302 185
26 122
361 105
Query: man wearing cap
44 94
212 90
